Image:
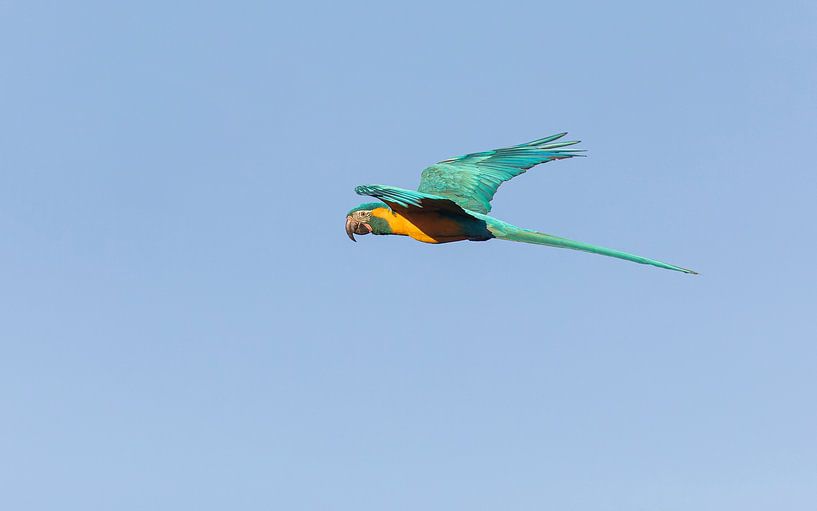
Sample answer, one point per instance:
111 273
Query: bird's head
361 221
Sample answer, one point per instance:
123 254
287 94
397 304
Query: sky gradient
184 324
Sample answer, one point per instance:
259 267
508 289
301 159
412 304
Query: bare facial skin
358 223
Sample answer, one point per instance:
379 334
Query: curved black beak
351 225
356 227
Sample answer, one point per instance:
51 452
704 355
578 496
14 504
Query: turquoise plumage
472 180
454 197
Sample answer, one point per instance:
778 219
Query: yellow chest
426 227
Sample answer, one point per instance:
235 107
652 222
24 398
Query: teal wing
410 200
472 180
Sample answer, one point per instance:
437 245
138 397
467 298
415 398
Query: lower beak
351 225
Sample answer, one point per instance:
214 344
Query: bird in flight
454 198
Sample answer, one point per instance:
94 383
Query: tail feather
511 233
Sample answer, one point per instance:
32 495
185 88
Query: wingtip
364 189
544 140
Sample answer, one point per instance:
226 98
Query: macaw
454 198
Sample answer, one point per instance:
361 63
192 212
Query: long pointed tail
509 232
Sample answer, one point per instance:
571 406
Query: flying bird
454 198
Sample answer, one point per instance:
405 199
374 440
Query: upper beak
351 225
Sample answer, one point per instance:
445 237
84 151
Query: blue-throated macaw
454 198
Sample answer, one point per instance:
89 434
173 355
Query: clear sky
184 324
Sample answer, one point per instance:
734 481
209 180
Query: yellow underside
425 227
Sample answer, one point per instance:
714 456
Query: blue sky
184 324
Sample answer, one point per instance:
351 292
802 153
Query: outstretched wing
472 180
409 200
